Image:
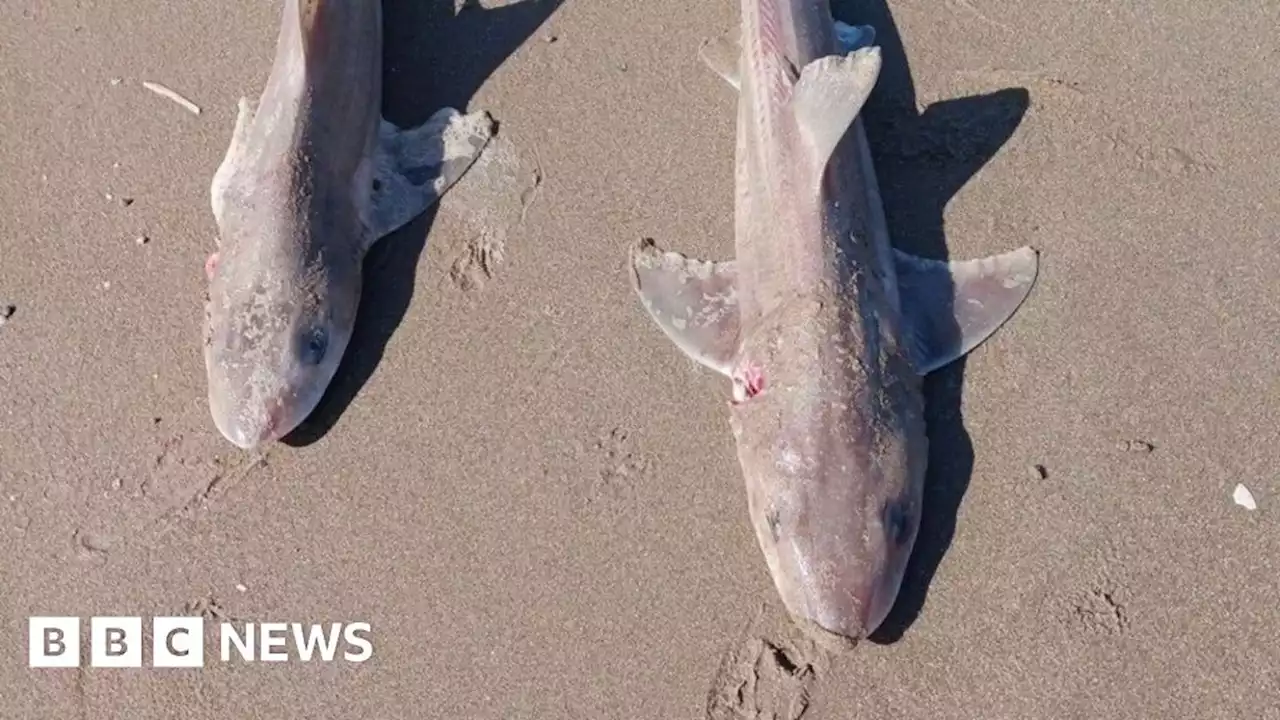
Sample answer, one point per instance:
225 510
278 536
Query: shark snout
248 436
250 429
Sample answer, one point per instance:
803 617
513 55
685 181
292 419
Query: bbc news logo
178 642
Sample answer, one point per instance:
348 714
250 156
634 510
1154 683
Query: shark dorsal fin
722 54
829 95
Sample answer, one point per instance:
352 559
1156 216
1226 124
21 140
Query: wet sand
531 495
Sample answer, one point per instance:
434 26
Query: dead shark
312 178
823 328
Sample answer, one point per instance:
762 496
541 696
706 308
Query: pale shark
312 178
823 328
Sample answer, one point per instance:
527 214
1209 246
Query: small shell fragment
165 92
1244 498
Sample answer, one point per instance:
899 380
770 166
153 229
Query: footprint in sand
761 679
492 198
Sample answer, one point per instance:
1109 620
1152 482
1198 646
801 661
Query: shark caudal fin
829 95
723 54
695 302
414 167
949 308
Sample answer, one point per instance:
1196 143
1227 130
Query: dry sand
527 490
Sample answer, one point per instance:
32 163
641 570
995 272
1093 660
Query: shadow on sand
432 58
922 160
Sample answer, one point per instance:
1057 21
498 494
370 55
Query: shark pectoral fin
413 168
829 95
695 302
227 169
722 55
950 308
246 109
854 37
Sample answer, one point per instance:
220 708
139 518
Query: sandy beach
530 494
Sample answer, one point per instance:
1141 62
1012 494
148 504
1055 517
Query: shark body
312 178
823 329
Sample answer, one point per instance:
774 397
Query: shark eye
899 522
315 343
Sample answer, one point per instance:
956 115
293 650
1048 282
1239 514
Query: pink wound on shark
748 384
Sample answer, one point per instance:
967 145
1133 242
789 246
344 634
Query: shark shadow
433 56
922 159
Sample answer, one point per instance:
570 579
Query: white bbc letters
53 642
115 642
177 642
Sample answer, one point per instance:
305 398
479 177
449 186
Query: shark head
830 447
274 336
